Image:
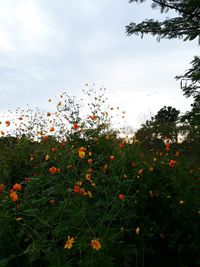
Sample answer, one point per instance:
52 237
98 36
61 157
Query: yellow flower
47 157
81 152
18 219
69 242
95 244
137 230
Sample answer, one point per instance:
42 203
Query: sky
48 47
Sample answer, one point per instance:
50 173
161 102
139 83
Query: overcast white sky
48 47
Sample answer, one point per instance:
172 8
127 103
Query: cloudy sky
48 47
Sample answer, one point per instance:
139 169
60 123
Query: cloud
24 27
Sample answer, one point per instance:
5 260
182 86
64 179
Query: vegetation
75 193
185 26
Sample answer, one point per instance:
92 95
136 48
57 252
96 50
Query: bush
91 199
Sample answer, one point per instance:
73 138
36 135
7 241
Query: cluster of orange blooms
95 244
13 194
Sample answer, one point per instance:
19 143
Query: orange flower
121 196
90 170
14 196
53 170
88 177
17 187
76 126
81 152
52 129
93 117
172 163
7 123
177 153
90 161
69 242
95 244
45 138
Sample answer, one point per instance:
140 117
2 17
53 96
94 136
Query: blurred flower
2 186
17 187
76 189
93 117
121 196
18 219
137 230
172 163
150 169
69 242
90 161
47 157
121 145
88 177
181 202
112 157
81 152
27 179
7 123
167 146
45 138
90 170
53 170
14 196
52 129
95 244
140 171
76 126
89 194
177 153
133 164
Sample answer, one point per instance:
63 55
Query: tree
185 26
162 125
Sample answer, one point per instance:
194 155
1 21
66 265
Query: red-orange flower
93 117
88 177
76 126
45 138
76 189
14 196
172 163
17 187
177 153
52 129
167 146
7 123
53 170
90 161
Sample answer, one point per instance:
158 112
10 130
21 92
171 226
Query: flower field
75 193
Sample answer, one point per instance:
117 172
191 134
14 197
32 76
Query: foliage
185 26
91 199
